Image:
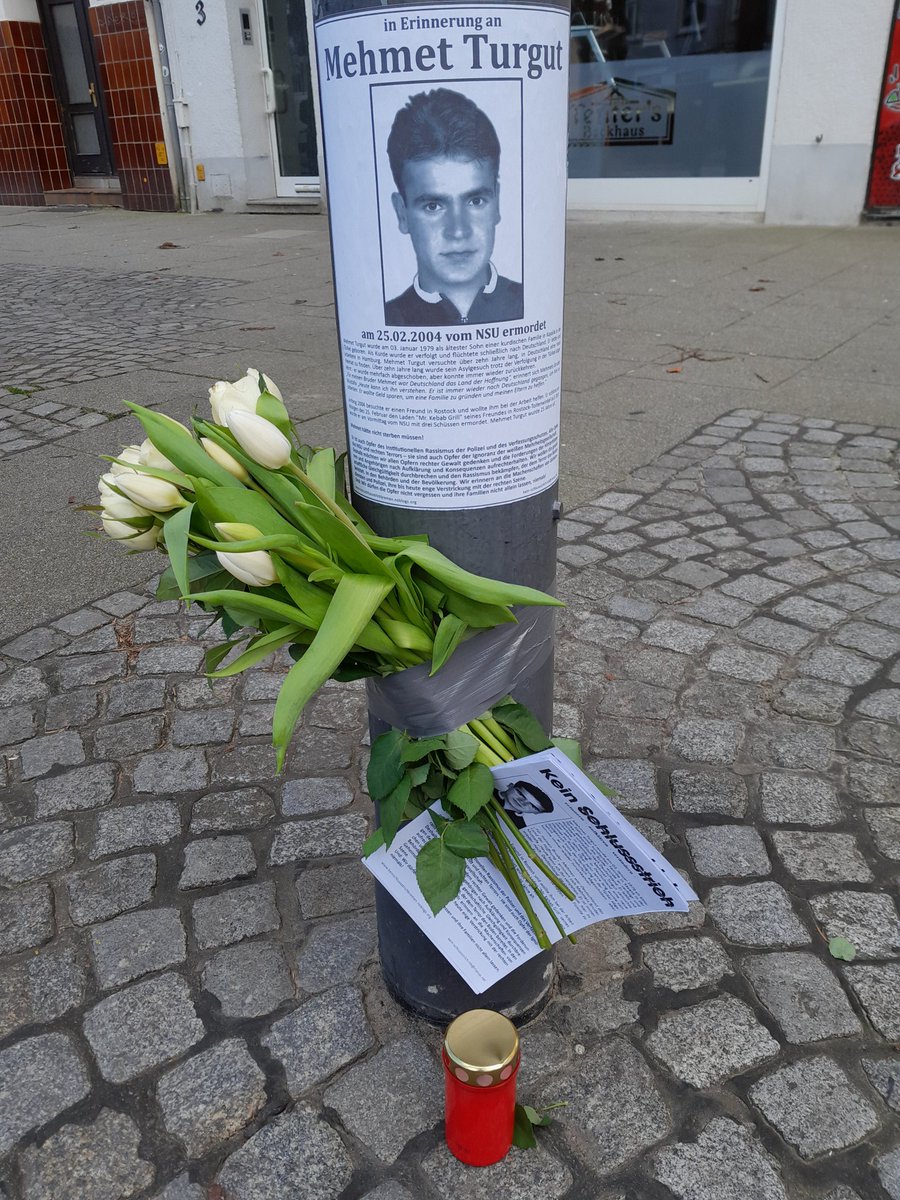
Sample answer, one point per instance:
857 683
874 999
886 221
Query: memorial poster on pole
446 179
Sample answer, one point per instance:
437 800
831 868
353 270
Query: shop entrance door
289 97
76 80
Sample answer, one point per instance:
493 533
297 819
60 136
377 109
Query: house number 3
201 12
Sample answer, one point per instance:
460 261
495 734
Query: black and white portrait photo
522 800
451 234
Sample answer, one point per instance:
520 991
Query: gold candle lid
483 1047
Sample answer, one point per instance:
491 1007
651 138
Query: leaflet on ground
612 869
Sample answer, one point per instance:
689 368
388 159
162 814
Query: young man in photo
445 159
522 800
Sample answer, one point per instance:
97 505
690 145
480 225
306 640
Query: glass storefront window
668 88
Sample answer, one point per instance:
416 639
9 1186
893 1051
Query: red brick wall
122 46
32 150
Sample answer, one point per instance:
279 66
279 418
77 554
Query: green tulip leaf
175 533
282 489
355 601
839 947
273 410
407 636
466 839
472 790
344 543
385 768
179 447
271 541
229 624
475 613
257 605
202 569
432 596
393 545
475 587
340 487
242 507
321 470
439 874
449 634
261 647
214 656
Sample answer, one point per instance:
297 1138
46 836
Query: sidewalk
190 1004
96 312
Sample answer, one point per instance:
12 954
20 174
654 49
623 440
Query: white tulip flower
137 539
260 439
253 374
226 397
224 459
105 484
156 494
254 567
243 394
151 457
131 454
118 508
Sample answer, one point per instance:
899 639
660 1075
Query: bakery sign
621 113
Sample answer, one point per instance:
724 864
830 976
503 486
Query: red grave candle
481 1059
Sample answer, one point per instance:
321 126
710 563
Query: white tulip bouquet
258 530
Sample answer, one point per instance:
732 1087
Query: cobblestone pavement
71 325
192 1003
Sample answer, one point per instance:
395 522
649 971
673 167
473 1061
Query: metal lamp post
452 411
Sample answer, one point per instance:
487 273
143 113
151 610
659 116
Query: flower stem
494 727
500 811
512 878
531 883
484 754
484 735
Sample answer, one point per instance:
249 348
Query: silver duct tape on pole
480 672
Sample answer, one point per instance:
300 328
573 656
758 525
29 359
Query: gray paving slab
719 666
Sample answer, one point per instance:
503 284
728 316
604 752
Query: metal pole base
421 980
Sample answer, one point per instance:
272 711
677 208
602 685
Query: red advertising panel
884 181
